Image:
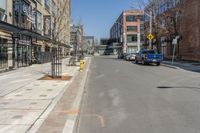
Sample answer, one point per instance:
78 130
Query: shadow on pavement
183 87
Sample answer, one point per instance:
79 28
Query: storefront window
3 53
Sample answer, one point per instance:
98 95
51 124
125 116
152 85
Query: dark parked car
148 56
131 57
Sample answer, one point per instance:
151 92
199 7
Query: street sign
150 37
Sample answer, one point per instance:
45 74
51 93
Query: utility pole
150 30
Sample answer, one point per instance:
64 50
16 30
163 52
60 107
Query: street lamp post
150 15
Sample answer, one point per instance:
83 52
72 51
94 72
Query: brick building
185 27
190 31
128 29
29 31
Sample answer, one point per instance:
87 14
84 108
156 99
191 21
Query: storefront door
3 54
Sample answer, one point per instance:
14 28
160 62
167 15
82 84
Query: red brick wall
190 30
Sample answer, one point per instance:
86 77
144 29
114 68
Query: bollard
81 65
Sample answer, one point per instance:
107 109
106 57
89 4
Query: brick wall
190 31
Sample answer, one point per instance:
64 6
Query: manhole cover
49 90
17 117
43 95
33 103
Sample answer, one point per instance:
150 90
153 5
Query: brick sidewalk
25 101
65 109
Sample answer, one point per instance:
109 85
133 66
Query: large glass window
132 38
3 53
39 22
47 4
141 17
141 28
131 18
53 8
132 28
3 10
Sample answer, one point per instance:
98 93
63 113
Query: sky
97 16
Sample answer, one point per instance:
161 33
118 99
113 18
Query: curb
73 120
34 128
170 66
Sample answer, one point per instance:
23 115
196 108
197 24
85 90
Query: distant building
76 37
128 30
88 44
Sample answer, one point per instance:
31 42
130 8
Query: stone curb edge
73 120
170 66
34 128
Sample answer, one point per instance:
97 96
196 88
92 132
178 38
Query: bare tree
165 22
58 37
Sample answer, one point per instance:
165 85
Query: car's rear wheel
136 62
143 62
158 63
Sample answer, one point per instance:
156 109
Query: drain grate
28 89
36 85
17 117
49 90
55 85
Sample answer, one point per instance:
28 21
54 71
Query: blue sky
97 16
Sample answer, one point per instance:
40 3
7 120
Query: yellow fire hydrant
81 65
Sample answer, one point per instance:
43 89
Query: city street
122 97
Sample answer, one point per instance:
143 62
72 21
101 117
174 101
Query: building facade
128 29
29 31
88 44
76 39
177 26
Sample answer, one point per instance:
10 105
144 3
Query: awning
14 29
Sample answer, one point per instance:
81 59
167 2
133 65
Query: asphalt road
122 97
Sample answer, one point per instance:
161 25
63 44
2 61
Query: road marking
100 118
77 111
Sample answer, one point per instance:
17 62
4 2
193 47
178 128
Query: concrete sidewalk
25 101
194 67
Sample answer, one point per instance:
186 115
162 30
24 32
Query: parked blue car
146 56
